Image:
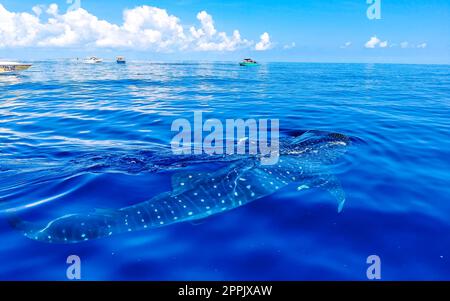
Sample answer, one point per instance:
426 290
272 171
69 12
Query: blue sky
414 31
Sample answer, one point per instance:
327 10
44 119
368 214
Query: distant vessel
93 60
121 60
248 62
11 67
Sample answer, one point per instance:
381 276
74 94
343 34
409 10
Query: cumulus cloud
18 29
37 10
384 44
144 27
373 42
423 45
207 24
207 38
264 42
376 42
52 9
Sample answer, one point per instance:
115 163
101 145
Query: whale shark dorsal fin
187 180
303 137
332 184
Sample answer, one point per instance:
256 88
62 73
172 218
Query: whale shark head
320 146
315 155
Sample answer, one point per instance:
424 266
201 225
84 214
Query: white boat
121 60
93 60
12 67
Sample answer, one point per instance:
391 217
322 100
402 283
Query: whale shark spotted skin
197 195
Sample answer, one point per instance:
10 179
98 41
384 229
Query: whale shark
306 160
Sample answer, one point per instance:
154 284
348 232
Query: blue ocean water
75 136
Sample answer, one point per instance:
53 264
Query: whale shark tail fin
28 229
72 228
332 184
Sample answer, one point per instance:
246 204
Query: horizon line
236 61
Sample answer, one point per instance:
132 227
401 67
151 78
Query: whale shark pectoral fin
332 184
187 180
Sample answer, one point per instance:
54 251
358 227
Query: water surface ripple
75 137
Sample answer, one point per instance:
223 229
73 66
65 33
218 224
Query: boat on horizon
12 67
93 60
248 62
121 60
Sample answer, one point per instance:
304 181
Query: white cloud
346 45
207 38
144 27
37 10
404 44
376 42
52 9
264 42
373 42
207 23
290 46
423 45
18 29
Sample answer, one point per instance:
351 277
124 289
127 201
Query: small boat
248 62
11 67
93 60
121 60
